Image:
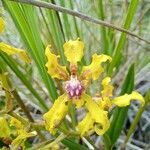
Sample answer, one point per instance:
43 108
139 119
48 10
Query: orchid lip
74 87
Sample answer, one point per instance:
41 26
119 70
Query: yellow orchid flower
75 85
21 138
10 50
21 133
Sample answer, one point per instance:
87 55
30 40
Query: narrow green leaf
117 56
107 141
25 19
73 145
66 24
75 21
103 29
56 31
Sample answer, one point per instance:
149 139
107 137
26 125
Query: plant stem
5 85
21 119
26 123
79 15
22 105
56 141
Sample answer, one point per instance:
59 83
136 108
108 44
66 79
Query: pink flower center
74 87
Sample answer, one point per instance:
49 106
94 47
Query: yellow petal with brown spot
54 69
56 114
95 69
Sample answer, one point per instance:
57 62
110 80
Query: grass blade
72 145
103 29
56 31
117 56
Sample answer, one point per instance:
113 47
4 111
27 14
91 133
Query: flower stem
22 105
56 141
6 88
26 123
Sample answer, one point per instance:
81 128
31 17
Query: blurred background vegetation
33 28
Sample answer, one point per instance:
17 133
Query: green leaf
26 21
78 34
73 145
117 56
57 31
101 15
66 24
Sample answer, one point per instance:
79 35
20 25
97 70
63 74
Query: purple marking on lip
74 87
